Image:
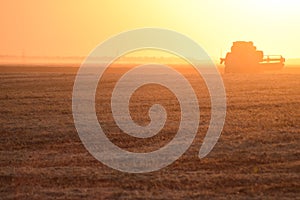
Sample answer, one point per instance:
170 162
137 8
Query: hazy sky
74 28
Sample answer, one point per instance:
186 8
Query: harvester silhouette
245 58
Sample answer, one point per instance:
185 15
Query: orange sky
74 28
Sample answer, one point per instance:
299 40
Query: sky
74 28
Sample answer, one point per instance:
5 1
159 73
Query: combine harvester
244 58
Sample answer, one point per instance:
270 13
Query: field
42 157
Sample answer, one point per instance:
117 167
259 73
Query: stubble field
256 157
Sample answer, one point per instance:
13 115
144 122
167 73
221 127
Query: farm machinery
245 58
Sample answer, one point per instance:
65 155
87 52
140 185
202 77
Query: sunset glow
74 28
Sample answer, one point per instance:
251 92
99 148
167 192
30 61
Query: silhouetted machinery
245 58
